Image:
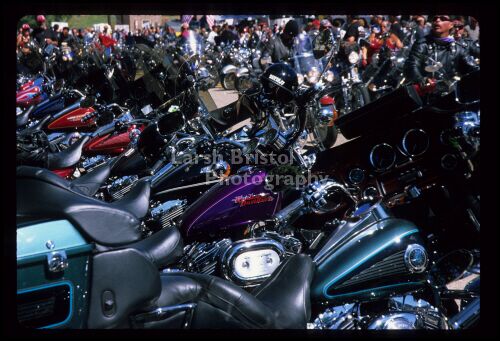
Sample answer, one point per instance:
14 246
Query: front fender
229 69
242 71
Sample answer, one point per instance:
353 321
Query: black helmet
280 82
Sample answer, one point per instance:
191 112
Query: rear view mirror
88 101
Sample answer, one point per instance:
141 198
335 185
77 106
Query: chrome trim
410 263
469 315
371 157
405 136
239 247
397 321
347 231
349 176
366 190
57 261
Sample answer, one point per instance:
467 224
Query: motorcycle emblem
252 199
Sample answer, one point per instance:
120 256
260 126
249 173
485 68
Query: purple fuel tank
229 207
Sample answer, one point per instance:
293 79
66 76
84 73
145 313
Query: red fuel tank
72 119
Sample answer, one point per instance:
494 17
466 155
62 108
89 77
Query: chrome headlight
353 57
313 75
203 73
329 76
300 78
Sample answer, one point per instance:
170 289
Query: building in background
138 22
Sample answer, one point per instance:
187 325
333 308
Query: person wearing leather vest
280 46
437 55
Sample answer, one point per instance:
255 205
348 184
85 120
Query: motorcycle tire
229 81
328 135
214 77
359 94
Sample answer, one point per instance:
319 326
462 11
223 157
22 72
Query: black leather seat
282 301
68 157
136 200
42 194
90 183
37 126
23 118
87 184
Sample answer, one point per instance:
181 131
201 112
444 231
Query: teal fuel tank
371 255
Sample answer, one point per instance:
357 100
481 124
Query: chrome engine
403 312
92 162
121 186
167 213
163 215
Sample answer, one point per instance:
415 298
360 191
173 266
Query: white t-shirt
211 37
473 34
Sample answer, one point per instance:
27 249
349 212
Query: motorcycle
385 240
342 60
385 72
370 245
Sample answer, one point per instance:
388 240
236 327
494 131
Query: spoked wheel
359 97
326 134
214 77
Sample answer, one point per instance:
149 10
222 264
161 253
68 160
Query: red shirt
106 41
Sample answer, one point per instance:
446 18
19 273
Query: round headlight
329 76
313 75
300 78
353 57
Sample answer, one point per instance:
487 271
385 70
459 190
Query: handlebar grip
291 212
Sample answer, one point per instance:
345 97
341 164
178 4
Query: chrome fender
229 69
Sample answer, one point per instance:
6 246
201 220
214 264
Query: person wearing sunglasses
460 35
437 56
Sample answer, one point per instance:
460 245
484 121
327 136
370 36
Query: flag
210 20
186 18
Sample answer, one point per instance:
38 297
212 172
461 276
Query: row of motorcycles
138 207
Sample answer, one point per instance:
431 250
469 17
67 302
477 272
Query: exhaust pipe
467 317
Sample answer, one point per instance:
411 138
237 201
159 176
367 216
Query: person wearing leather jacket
438 49
469 44
280 46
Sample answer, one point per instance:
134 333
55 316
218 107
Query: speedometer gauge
356 176
382 157
415 142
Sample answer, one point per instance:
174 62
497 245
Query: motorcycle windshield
304 60
192 44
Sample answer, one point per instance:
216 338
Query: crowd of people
458 34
